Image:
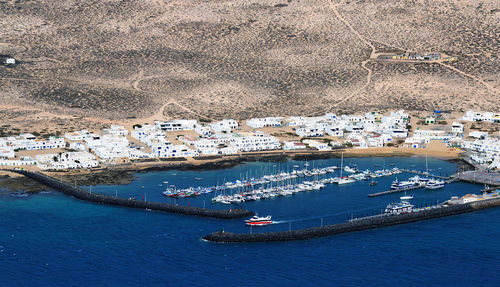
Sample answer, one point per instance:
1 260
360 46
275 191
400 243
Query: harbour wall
133 203
357 225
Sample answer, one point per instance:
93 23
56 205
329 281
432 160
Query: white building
115 130
258 123
42 144
176 125
473 116
144 131
67 160
229 150
224 126
6 152
335 130
309 131
294 145
25 160
457 128
81 135
432 134
318 145
203 131
78 146
256 141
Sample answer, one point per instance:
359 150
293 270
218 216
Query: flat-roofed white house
176 125
115 130
294 145
317 145
310 131
78 146
67 160
81 135
457 128
255 141
203 131
228 150
257 123
24 160
7 151
335 130
41 144
399 133
224 126
473 116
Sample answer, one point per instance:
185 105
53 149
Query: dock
425 174
132 203
394 191
447 180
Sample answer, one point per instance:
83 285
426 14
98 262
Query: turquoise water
54 240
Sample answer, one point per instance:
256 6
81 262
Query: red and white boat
259 221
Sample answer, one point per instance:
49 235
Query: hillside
96 61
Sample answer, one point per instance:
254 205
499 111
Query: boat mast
426 165
341 164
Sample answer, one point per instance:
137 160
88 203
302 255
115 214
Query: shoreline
218 162
124 174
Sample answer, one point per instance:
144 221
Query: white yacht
345 180
434 184
399 208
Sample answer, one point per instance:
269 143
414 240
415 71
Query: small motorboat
406 197
259 221
373 182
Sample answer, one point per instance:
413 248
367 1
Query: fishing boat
259 221
171 192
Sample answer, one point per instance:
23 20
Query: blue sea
50 239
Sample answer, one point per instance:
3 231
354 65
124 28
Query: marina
290 184
152 239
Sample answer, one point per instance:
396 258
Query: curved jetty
133 203
355 225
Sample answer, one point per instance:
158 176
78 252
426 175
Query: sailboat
343 180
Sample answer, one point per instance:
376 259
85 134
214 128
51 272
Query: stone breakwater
133 203
357 225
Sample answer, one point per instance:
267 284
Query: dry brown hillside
111 60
